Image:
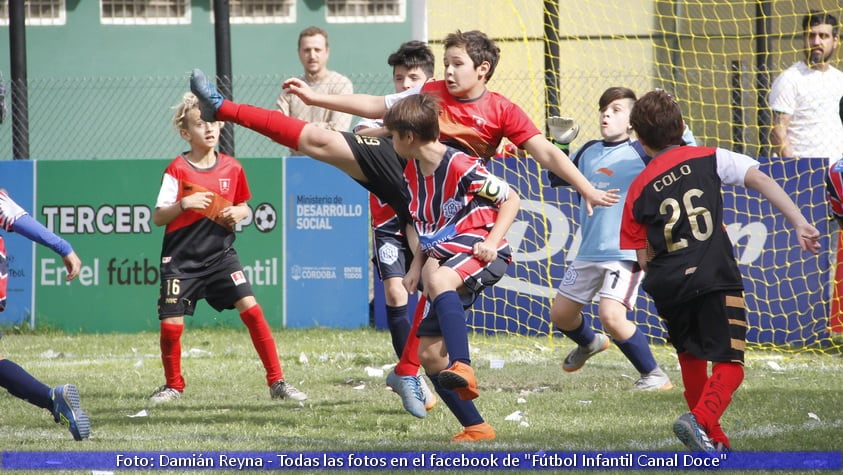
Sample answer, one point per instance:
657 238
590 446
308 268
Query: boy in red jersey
673 219
62 401
202 197
460 213
473 119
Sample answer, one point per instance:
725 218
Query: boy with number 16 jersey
202 198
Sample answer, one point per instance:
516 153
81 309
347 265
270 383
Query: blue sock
399 327
582 335
465 411
451 316
23 385
637 351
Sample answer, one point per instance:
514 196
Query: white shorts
616 280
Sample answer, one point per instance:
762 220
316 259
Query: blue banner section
379 302
398 461
786 289
326 265
18 180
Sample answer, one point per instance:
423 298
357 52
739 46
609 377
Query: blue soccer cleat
410 390
689 431
66 411
210 99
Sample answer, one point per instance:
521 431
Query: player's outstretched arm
28 227
364 105
550 157
807 234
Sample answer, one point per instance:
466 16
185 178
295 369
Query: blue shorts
392 255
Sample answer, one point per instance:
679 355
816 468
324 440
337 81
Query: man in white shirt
805 97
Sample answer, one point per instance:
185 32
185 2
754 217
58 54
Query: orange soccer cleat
460 379
482 431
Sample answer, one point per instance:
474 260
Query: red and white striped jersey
454 208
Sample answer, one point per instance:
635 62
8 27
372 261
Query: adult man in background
805 101
804 98
314 52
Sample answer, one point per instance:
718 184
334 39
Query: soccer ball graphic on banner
265 217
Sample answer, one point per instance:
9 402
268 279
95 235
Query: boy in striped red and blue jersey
461 214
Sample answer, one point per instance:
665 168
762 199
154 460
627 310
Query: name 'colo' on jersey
676 207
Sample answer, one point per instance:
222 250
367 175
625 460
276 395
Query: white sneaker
578 356
656 380
284 390
165 394
410 388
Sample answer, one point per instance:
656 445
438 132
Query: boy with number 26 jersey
673 219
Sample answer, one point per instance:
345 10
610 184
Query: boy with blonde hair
202 197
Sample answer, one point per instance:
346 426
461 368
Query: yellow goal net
718 58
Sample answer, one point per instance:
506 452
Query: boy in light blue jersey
601 268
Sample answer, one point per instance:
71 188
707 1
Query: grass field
787 402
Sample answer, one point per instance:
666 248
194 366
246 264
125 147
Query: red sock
694 376
170 340
716 434
717 394
409 363
274 124
264 342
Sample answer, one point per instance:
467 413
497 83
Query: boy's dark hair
817 17
478 46
313 31
613 94
417 113
657 120
414 54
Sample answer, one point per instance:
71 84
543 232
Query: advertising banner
326 272
786 289
104 208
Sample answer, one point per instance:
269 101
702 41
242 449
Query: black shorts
711 327
392 255
384 170
221 288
